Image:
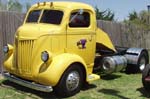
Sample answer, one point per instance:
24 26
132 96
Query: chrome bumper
28 84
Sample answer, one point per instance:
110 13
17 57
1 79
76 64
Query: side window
79 20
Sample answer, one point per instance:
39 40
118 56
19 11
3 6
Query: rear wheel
71 82
146 77
143 60
141 63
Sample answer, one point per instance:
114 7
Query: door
81 35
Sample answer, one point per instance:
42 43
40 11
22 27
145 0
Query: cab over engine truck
58 47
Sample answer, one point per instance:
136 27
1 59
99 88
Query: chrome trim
72 81
135 50
28 84
114 64
133 54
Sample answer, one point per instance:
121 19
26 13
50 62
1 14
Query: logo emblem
82 44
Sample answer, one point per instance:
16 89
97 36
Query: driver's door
81 36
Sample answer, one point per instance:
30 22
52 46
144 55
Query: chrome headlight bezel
45 56
6 49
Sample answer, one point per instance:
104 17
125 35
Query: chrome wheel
142 63
72 81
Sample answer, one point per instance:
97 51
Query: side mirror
80 12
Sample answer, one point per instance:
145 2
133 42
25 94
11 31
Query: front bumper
28 84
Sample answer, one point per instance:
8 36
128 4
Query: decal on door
82 44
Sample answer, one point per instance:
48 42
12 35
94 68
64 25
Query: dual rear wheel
141 63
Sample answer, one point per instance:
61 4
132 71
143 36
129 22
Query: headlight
44 56
5 49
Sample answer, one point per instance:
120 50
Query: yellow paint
103 38
52 74
93 77
60 41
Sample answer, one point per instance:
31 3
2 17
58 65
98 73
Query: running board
93 77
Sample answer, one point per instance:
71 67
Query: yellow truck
59 46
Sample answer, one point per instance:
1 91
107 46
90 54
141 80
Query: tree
104 15
141 20
11 5
133 15
144 16
14 6
1 5
28 5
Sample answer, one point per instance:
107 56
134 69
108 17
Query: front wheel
146 77
71 82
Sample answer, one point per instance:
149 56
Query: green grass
116 86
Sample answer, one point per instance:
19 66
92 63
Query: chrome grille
23 56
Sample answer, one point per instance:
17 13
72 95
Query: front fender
10 52
55 70
8 58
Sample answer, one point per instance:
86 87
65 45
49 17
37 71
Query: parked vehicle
146 77
59 45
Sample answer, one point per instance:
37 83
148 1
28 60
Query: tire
63 88
143 59
145 74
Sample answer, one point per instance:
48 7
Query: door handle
91 37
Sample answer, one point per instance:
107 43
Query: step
93 77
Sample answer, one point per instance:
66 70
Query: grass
115 86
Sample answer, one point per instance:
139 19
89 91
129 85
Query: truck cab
58 46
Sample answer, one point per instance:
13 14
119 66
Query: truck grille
23 56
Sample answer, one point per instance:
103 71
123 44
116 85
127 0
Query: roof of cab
66 5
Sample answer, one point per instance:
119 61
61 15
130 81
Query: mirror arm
79 12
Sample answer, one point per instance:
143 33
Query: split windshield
48 16
33 16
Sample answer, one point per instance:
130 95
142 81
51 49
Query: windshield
48 16
33 16
52 16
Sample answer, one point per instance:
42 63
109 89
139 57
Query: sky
121 8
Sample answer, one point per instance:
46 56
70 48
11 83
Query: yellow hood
30 31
